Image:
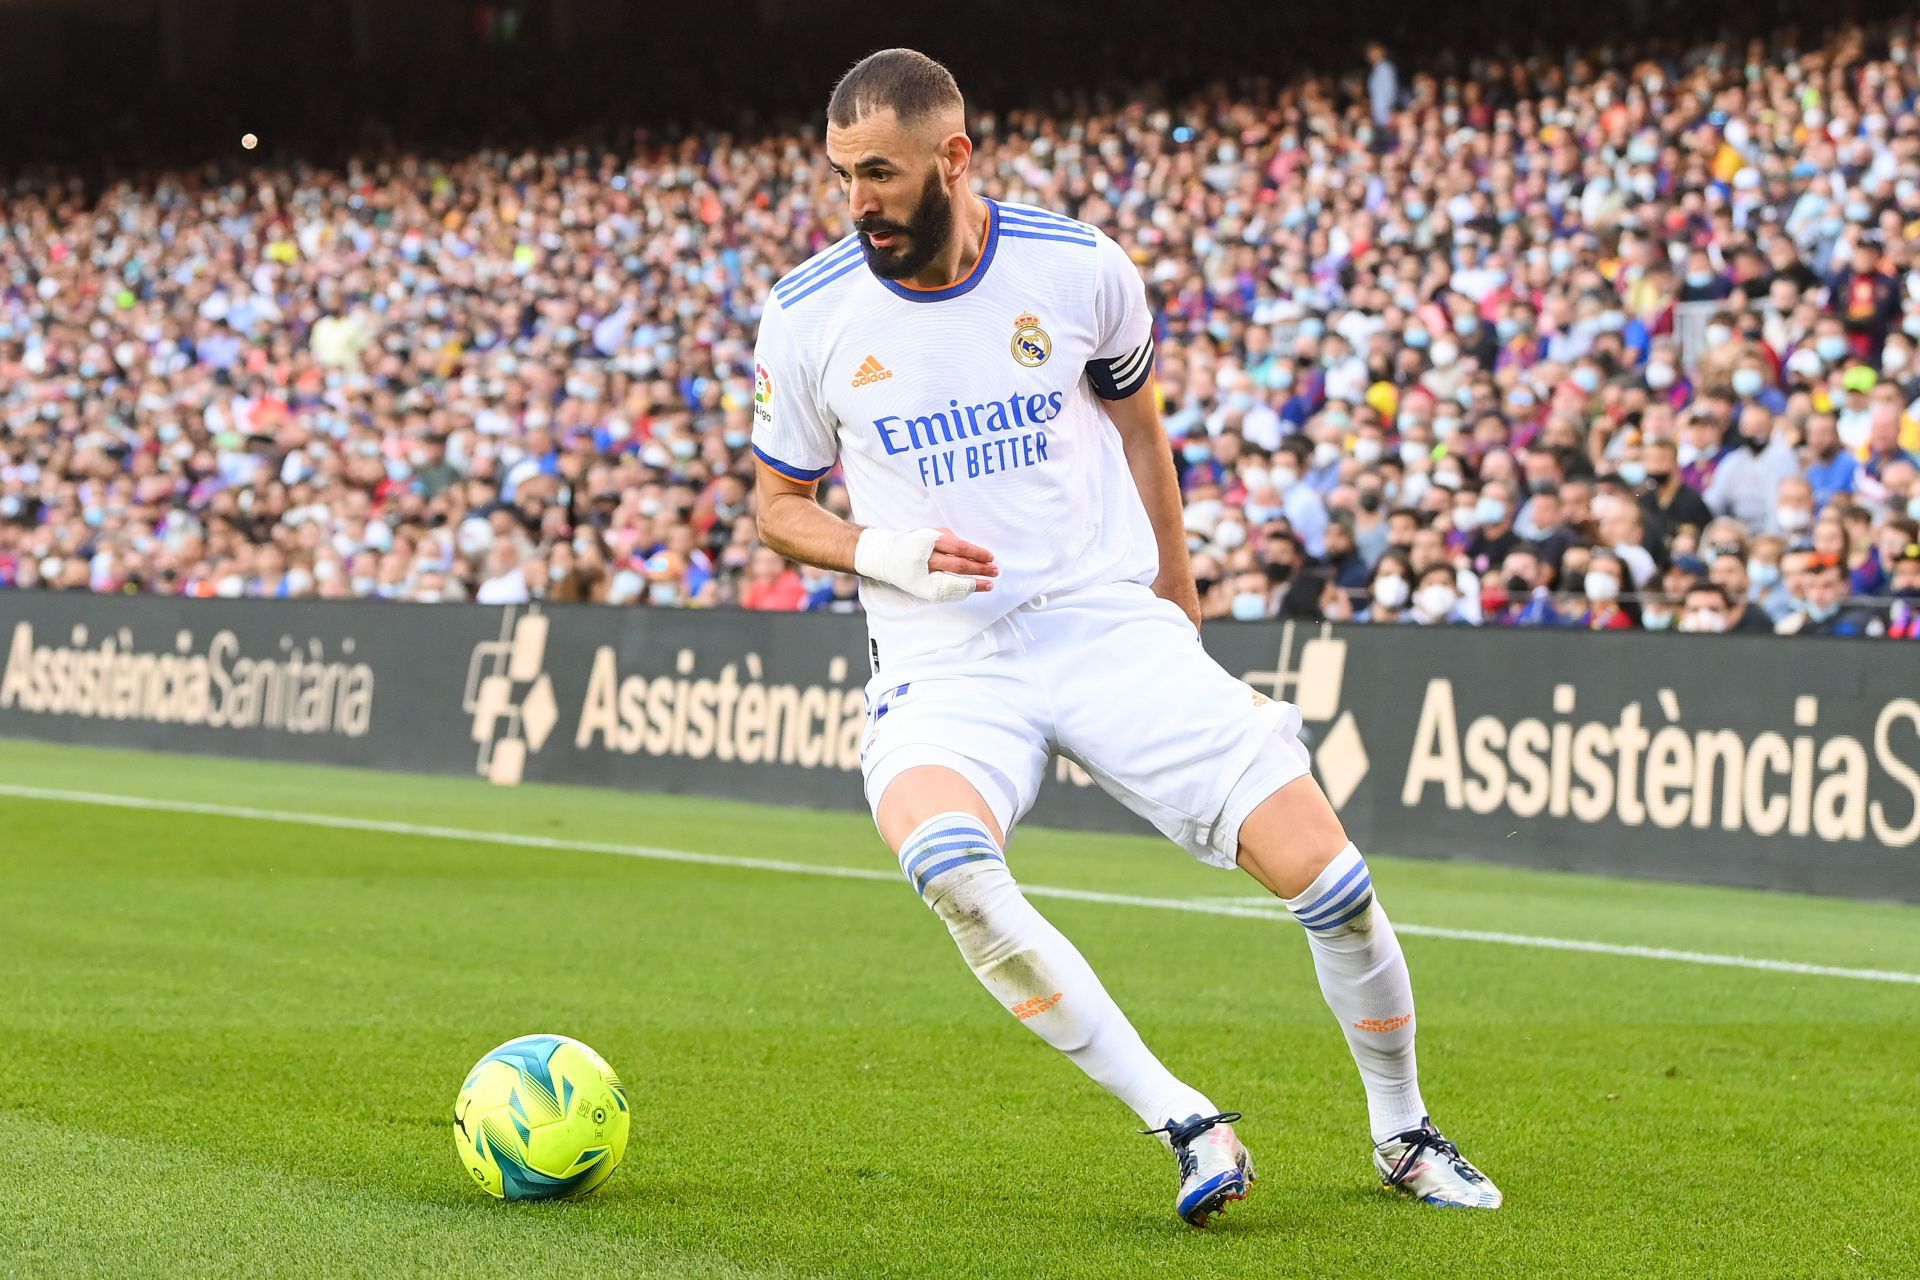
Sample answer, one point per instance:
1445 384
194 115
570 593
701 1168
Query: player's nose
862 200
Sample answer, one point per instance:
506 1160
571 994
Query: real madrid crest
1031 345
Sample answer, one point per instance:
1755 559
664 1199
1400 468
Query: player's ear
956 157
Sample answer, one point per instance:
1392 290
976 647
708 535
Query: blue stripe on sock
1328 926
949 833
1359 869
922 856
962 831
1313 919
928 876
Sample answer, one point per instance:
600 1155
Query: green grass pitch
231 1046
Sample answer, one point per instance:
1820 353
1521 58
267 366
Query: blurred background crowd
1619 339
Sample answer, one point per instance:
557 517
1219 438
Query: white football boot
1214 1167
1426 1166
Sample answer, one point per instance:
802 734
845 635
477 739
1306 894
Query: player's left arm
1121 374
1150 459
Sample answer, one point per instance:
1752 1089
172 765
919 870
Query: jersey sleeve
792 431
1123 350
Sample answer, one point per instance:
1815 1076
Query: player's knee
950 859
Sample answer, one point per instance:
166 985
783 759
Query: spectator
1824 611
1601 584
1437 600
771 583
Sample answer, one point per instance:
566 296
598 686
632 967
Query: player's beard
925 234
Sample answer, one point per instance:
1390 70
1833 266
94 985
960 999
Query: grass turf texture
232 1047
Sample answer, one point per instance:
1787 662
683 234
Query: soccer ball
541 1118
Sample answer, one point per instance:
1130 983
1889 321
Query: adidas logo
871 370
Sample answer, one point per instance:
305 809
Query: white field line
1243 908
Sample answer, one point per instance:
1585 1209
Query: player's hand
953 554
1180 590
928 564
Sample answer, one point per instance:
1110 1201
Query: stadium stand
1589 336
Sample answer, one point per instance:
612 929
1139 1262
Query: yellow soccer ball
541 1118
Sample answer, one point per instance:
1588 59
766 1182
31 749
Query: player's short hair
906 81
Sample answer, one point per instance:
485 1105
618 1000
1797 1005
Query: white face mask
1390 591
1249 606
1704 622
1793 519
1602 587
1229 534
1443 354
1437 600
1366 451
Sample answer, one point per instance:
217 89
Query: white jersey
972 408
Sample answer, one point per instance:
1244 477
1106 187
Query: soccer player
983 373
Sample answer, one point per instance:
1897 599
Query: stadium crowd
1610 342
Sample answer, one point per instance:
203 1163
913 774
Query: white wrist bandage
900 560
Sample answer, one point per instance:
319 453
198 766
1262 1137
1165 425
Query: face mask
1748 382
1718 335
1366 452
1229 534
1249 606
1656 621
1602 587
1894 359
1443 354
1763 573
1256 478
1447 479
1260 513
1465 325
1390 591
1284 478
1821 612
1325 454
1689 454
1831 347
1634 473
1466 519
1913 507
1445 425
1437 600
1412 451
684 448
1704 622
738 439
1587 379
1418 339
1196 452
1490 511
1369 501
1506 328
1910 325
1793 519
1660 376
1282 379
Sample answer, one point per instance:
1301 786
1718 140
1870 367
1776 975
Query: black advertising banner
1790 764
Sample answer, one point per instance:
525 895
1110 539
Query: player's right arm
794 446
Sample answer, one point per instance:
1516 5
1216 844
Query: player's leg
947 837
1221 770
1293 843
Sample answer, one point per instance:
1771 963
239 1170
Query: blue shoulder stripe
1044 216
1054 228
858 259
1011 234
813 267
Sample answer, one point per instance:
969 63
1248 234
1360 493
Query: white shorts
1111 677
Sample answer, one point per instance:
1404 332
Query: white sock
1364 978
1031 968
